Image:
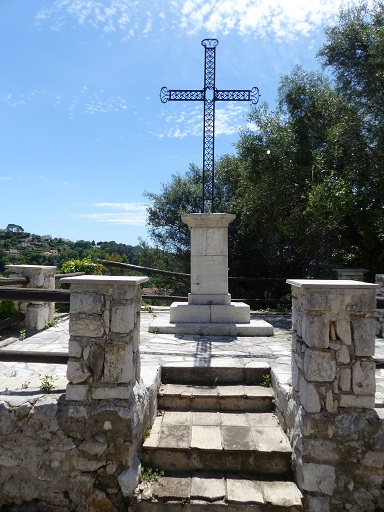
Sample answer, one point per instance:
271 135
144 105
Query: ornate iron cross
209 95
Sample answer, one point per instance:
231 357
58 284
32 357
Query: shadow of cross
209 95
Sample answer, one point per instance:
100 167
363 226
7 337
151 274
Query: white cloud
5 178
281 19
132 214
189 121
123 206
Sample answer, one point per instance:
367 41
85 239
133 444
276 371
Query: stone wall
78 451
328 405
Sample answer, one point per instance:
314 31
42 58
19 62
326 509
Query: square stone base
253 328
211 320
236 312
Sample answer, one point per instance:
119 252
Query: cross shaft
209 95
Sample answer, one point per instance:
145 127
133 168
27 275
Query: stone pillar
209 257
37 314
356 274
106 401
104 329
379 280
338 438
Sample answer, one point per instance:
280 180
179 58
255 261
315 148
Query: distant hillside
19 247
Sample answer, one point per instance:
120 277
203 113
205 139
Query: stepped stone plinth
209 310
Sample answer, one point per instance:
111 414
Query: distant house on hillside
13 253
52 252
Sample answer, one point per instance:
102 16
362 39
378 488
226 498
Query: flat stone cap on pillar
33 268
208 220
106 280
332 283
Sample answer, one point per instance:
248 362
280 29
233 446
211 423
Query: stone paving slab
227 490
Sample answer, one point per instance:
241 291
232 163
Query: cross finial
209 100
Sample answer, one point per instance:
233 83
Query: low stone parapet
79 450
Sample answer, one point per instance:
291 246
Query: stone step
216 492
213 376
235 397
218 441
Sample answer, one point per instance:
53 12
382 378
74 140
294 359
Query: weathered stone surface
318 478
105 393
84 464
94 447
88 326
342 355
315 330
363 377
77 393
122 319
77 372
88 303
129 477
360 402
118 364
172 488
345 379
96 360
317 504
281 494
243 491
75 349
96 501
363 333
309 397
204 487
319 366
343 330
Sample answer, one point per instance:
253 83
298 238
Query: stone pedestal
209 310
356 274
37 314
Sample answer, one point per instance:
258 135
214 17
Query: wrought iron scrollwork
209 94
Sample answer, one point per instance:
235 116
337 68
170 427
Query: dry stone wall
329 406
78 451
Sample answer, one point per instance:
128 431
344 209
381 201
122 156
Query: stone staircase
216 445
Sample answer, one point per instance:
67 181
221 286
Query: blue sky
82 130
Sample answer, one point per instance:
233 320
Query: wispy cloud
281 19
131 17
132 214
5 178
189 121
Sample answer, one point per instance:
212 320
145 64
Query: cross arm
182 95
251 95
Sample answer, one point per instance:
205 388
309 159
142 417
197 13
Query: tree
306 183
15 228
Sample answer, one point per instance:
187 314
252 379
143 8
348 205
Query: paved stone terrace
20 381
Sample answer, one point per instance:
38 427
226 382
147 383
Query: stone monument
209 310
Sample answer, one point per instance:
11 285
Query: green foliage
47 382
150 474
266 382
306 182
7 309
84 265
22 334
